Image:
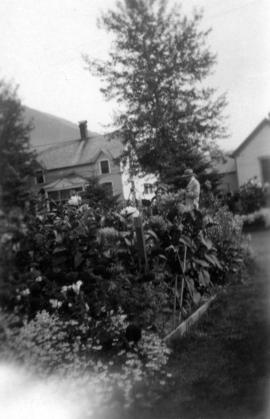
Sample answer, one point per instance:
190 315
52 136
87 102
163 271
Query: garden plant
76 301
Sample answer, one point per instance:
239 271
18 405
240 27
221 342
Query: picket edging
184 327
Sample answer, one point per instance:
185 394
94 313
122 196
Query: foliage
74 350
225 231
252 196
96 196
184 249
168 203
79 260
85 308
17 161
156 70
257 218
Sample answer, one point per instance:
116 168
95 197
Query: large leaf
78 259
127 242
171 248
206 242
58 237
213 260
196 297
201 262
151 233
204 278
59 249
186 241
190 285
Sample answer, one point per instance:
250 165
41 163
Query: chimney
83 129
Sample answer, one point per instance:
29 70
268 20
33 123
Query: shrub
96 195
252 196
225 231
47 345
183 248
260 218
78 260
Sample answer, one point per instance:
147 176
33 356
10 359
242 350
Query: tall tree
157 70
17 161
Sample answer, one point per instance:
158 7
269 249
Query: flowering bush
182 250
75 261
66 273
252 196
79 259
225 231
167 204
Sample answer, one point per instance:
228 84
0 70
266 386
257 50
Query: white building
252 157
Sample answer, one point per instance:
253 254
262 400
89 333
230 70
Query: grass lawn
221 370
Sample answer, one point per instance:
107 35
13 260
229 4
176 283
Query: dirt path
222 370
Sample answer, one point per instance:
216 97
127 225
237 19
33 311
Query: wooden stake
183 284
140 242
175 298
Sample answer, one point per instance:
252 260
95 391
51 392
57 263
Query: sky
42 42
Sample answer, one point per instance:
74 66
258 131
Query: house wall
86 171
139 182
229 182
248 160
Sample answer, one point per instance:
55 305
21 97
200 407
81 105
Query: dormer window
104 167
40 178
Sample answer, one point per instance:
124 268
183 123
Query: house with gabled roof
252 157
67 166
68 155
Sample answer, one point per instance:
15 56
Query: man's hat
188 172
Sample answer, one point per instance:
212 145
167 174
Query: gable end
264 122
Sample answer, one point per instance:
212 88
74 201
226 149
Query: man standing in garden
192 190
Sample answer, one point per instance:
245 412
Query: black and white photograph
134 209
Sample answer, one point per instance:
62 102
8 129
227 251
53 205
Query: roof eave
250 137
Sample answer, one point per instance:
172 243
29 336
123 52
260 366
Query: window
104 166
265 166
108 188
40 177
148 188
63 195
53 195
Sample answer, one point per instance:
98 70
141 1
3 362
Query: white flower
76 287
64 289
38 278
55 303
25 292
75 200
130 212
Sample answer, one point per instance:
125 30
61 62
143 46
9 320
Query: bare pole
183 283
175 299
